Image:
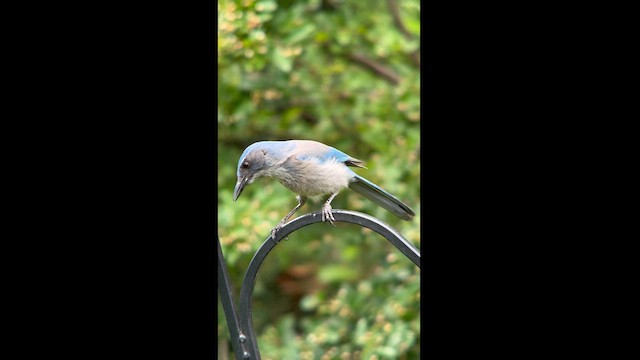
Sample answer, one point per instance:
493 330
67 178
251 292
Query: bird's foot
275 230
327 214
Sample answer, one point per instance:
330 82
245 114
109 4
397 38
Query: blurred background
345 73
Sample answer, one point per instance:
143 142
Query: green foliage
342 73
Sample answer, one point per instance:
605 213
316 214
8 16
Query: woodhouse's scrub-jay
310 168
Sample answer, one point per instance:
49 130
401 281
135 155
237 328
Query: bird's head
253 164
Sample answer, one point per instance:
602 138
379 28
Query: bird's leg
326 209
301 201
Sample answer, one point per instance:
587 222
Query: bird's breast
309 177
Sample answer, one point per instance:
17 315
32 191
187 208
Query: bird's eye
245 164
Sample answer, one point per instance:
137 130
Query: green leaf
309 302
266 6
281 61
337 273
388 352
302 33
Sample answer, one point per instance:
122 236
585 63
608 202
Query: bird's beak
239 187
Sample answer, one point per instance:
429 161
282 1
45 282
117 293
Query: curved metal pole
248 283
230 313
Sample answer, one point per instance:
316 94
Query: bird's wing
307 150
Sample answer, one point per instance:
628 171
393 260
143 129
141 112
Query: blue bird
309 168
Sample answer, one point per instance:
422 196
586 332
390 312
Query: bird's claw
275 230
327 214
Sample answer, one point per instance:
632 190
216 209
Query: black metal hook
241 327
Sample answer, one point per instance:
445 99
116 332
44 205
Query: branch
379 69
415 56
395 13
397 20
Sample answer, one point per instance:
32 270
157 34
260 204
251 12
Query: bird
310 169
